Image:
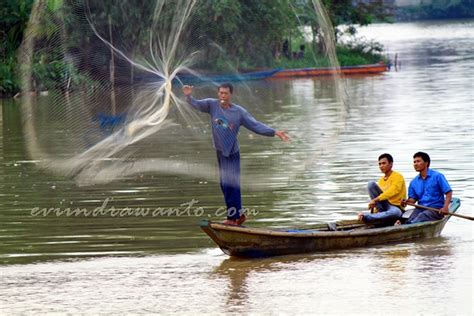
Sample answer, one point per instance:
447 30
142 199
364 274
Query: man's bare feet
360 217
242 219
231 222
236 222
397 223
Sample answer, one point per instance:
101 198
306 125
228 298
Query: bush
359 54
352 54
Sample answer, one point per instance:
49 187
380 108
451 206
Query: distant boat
188 78
325 71
244 241
240 76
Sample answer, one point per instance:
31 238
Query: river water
164 264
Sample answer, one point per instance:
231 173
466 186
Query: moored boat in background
326 71
277 73
233 77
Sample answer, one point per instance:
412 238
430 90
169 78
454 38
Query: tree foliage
230 33
246 31
14 15
438 9
356 12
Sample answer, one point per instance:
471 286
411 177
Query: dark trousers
420 215
229 174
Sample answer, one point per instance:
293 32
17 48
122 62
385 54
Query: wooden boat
243 241
345 70
240 76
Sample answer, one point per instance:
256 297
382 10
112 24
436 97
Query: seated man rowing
430 188
386 195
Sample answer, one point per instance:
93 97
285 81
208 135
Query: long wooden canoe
241 76
326 71
244 241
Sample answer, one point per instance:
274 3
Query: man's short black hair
388 156
424 156
226 85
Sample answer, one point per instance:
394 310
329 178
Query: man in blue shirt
226 119
430 188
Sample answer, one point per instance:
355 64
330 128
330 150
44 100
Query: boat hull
254 242
345 70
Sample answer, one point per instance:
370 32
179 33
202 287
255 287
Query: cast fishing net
113 72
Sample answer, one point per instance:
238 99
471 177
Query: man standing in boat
386 195
226 119
429 188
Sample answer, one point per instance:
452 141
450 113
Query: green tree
231 34
357 12
14 16
246 32
438 9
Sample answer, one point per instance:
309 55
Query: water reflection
375 275
238 274
209 282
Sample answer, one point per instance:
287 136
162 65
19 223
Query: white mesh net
114 71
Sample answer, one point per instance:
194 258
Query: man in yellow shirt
386 195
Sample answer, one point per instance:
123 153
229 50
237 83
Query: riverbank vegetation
348 54
249 34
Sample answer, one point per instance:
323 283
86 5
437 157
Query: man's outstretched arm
258 127
283 136
201 105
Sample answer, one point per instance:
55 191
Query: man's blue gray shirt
226 123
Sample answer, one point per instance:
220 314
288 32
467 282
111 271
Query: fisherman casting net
113 71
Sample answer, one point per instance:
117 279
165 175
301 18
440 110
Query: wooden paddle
436 210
